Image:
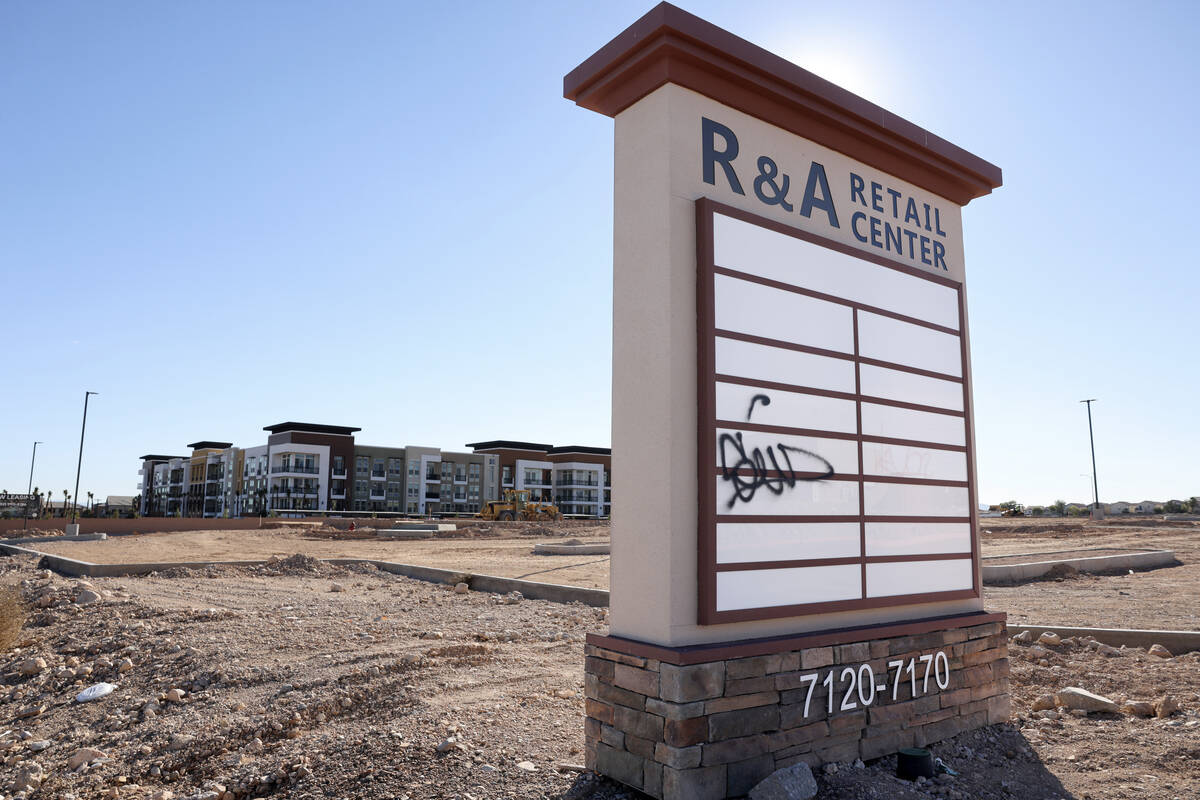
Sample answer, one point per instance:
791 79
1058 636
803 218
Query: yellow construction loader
517 506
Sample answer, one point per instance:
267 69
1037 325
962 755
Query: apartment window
339 463
412 491
414 469
475 470
533 476
395 465
377 467
506 475
361 465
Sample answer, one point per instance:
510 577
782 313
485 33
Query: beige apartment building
306 468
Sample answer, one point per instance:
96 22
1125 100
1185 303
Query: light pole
25 521
1091 438
79 464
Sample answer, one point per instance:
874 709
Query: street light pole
29 491
1092 440
79 465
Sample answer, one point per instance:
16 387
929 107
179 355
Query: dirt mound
338 534
1061 571
33 532
294 565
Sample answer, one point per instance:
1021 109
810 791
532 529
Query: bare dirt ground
1157 599
295 687
1162 598
500 548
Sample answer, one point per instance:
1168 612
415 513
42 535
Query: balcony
339 473
577 482
378 496
295 469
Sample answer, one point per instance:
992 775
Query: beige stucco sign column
792 420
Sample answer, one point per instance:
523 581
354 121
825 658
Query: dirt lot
503 549
295 687
1158 599
1163 598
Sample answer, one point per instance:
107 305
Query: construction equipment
516 505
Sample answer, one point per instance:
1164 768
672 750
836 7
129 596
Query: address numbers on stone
857 686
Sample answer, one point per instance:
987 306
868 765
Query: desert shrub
12 617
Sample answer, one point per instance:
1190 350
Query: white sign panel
834 469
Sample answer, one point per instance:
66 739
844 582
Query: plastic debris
95 692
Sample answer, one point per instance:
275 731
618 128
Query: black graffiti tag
746 486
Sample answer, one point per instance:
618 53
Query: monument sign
799 580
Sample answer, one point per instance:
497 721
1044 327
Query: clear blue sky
222 215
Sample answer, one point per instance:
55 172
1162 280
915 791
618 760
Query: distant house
1120 508
119 504
1146 507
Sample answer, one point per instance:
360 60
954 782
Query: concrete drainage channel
533 590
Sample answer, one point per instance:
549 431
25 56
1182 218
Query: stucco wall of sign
662 143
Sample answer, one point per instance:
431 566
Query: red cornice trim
669 45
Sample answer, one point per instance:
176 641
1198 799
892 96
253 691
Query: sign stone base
707 722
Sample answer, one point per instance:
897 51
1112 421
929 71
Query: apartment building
306 468
575 478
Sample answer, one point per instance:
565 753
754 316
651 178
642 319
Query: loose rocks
1074 697
1165 706
85 755
791 783
1138 708
1044 702
1158 651
86 597
31 666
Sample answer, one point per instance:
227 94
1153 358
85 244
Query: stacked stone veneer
715 729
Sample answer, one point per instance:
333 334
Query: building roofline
311 427
579 448
209 445
508 444
154 457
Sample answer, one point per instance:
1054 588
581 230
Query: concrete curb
1015 573
1177 642
83 537
533 590
541 549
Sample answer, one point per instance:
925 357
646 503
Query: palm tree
66 499
90 496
